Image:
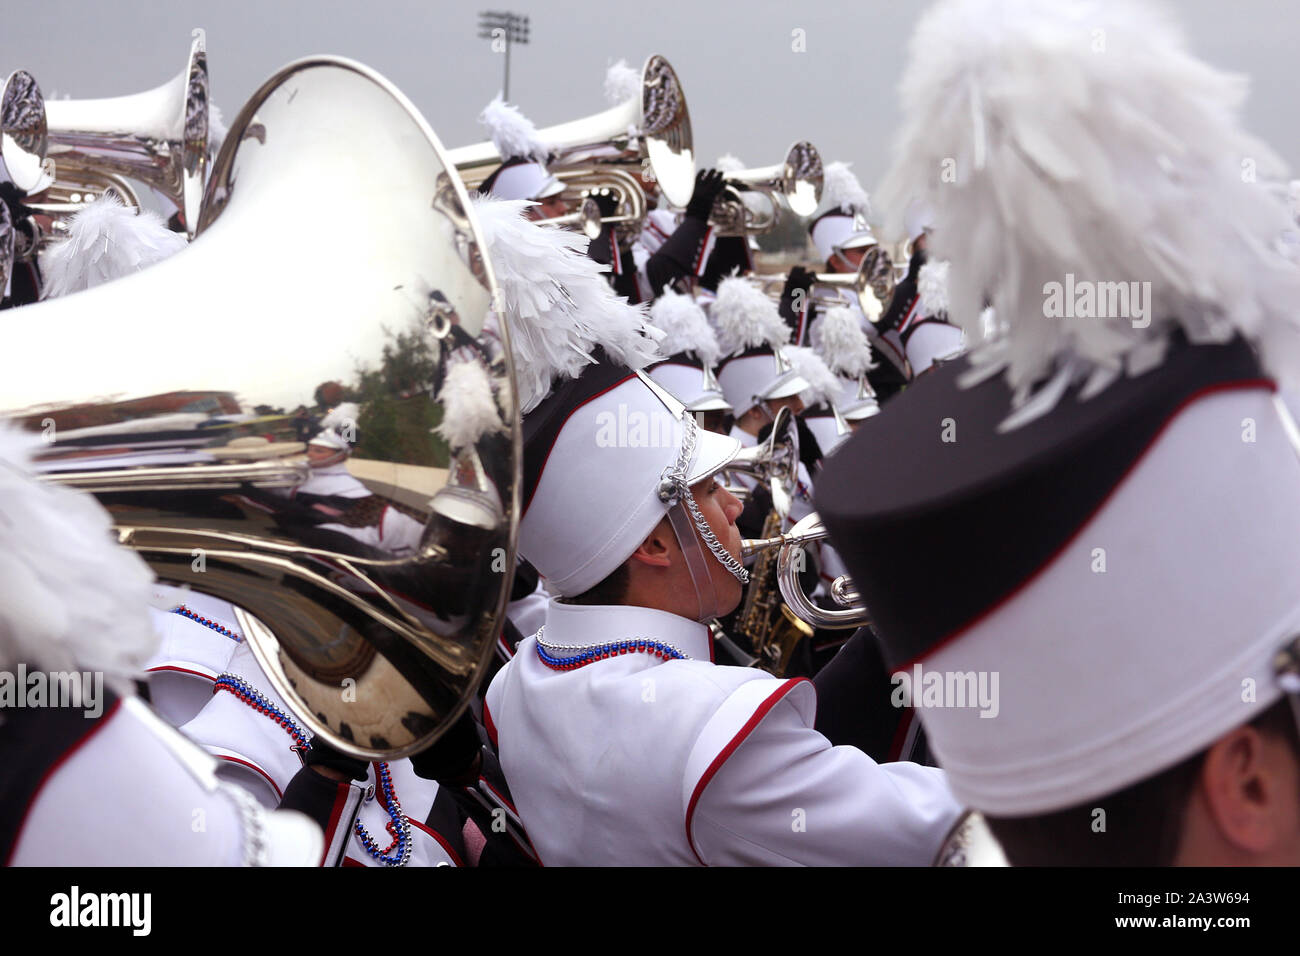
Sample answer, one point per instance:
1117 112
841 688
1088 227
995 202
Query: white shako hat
692 350
522 174
106 241
1115 505
603 445
752 336
840 220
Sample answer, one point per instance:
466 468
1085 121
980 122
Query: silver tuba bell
649 132
201 400
158 137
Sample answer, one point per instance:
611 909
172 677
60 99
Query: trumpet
871 287
651 132
627 191
158 137
797 181
791 560
587 217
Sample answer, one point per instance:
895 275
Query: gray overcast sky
748 92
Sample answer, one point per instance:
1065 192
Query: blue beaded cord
185 612
399 825
603 651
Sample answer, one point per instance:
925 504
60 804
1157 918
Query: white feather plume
469 407
823 384
558 302
622 83
841 190
512 133
1087 141
685 327
106 241
216 128
840 341
71 598
745 318
932 287
728 163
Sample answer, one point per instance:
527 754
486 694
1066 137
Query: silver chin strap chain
673 489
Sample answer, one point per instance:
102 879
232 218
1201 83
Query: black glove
799 278
606 200
797 285
322 754
708 184
601 249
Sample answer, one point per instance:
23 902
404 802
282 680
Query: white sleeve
778 793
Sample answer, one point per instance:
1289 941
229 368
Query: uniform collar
581 625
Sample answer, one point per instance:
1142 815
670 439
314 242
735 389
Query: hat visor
713 452
791 383
552 187
857 413
709 402
858 240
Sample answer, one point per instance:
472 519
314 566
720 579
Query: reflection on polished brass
23 135
256 411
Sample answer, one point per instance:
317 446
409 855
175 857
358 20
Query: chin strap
692 529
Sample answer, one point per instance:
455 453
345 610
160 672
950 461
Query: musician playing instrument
621 741
522 173
842 236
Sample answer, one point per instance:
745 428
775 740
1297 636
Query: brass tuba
192 399
651 132
158 137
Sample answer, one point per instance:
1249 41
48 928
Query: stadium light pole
503 28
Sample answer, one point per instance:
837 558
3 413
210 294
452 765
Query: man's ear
656 549
1243 789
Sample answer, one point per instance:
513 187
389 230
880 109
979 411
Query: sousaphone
337 260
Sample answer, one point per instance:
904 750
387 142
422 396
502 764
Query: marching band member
843 346
522 173
918 310
755 372
1117 499
692 349
620 739
673 249
77 604
840 232
757 379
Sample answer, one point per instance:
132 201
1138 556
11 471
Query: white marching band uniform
638 761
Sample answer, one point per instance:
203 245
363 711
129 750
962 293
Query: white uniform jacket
129 790
636 760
